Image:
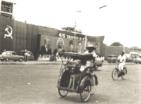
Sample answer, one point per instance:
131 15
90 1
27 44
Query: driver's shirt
122 59
88 62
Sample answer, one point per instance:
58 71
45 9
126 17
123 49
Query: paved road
36 84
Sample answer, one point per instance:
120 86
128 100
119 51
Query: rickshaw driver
90 50
88 63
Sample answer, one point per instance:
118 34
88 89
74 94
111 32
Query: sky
118 21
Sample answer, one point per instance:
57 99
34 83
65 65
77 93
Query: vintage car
28 55
137 60
10 55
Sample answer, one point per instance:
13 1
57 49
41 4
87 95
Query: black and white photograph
70 52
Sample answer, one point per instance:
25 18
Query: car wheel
1 59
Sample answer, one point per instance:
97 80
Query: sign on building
6 33
6 8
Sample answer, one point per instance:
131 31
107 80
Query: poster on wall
8 38
60 43
6 33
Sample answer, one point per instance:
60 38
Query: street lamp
75 22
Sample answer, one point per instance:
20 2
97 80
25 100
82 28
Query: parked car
0 57
10 55
129 58
132 56
28 55
137 60
111 58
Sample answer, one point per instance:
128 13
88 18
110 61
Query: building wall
31 37
64 39
113 50
19 36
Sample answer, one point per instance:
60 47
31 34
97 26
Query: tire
62 93
85 93
1 59
125 70
115 74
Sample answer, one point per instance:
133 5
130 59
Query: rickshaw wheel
115 74
125 72
62 93
85 94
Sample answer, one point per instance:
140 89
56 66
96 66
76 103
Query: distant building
113 50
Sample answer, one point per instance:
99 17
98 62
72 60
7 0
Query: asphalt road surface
37 84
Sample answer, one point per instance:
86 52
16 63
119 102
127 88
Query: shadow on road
75 98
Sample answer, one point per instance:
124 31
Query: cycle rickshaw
71 79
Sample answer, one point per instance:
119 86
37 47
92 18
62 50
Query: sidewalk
44 62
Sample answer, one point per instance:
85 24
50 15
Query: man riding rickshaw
77 74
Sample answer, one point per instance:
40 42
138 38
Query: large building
15 35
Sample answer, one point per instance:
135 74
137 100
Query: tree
116 44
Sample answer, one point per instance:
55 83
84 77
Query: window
7 7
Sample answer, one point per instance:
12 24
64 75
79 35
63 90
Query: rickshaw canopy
78 56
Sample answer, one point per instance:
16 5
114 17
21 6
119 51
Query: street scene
70 52
37 84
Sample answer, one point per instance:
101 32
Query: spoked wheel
62 93
115 74
85 94
125 72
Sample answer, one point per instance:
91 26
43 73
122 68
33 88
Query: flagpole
75 26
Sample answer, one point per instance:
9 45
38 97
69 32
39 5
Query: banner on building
6 33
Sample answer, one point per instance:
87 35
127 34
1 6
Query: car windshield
14 53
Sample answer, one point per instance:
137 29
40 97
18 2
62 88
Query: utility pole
0 7
75 26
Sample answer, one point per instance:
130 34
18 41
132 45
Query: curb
32 63
44 62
